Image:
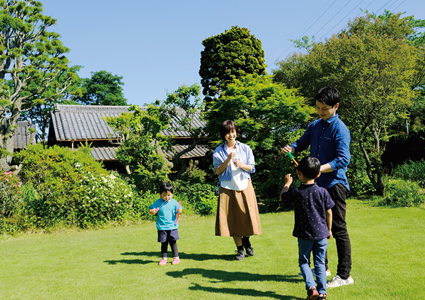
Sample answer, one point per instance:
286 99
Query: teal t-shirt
166 216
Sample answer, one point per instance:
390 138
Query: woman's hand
220 169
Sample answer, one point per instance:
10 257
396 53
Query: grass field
121 263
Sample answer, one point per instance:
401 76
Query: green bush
201 196
72 188
401 193
10 193
411 170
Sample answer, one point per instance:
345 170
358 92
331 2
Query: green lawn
121 263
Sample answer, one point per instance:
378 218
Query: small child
313 223
167 210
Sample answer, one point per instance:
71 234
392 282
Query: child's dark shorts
168 235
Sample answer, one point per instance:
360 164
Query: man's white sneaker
337 281
328 273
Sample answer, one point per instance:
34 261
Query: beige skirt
237 213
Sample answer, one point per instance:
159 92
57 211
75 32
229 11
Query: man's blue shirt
329 142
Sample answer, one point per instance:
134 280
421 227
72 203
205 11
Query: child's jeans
318 247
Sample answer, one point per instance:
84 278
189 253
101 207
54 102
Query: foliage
267 115
374 69
229 56
401 193
10 193
201 196
184 106
102 88
32 59
193 174
142 145
40 110
356 173
411 170
73 188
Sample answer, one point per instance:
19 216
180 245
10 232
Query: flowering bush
73 188
10 193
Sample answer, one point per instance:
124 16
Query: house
71 125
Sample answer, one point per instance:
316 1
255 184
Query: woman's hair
166 187
226 127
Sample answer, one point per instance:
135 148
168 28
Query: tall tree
374 69
102 88
41 107
229 56
183 106
142 144
267 115
31 59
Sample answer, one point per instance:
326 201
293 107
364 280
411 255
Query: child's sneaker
322 297
312 293
162 262
176 261
338 281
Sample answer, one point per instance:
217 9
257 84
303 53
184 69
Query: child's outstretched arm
329 222
288 182
153 211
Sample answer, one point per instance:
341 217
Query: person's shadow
226 276
182 255
242 292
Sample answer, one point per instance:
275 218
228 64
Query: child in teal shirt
167 209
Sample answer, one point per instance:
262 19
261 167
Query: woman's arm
220 169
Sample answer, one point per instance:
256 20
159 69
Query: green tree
183 106
229 56
374 68
41 108
31 61
142 145
102 88
267 115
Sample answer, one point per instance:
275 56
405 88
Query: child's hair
166 187
328 95
310 167
226 127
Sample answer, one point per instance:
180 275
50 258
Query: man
329 141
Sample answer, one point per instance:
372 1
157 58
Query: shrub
401 193
411 170
202 196
10 193
72 188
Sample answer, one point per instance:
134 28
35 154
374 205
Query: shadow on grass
187 256
225 276
241 292
130 261
182 255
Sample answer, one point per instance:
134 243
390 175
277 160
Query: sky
156 45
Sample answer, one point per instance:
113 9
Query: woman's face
231 136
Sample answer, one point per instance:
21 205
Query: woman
237 213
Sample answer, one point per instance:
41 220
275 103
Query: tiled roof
81 122
108 152
22 137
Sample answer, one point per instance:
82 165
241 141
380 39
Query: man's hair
226 127
328 95
166 187
310 167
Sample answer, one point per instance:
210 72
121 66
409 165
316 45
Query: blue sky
155 45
